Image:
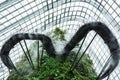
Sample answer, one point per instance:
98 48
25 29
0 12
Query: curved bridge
98 27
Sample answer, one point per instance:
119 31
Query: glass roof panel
1 1
27 15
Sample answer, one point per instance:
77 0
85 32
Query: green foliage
52 68
59 34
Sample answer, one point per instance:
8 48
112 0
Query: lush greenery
59 34
53 68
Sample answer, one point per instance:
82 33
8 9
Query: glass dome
40 16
